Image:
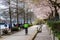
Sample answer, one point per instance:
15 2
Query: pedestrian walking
40 28
26 25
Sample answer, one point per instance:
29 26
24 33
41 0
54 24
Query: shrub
5 31
50 23
55 26
30 25
15 29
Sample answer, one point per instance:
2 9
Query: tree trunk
24 17
17 13
10 26
56 13
27 17
54 4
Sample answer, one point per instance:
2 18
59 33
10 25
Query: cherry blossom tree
56 6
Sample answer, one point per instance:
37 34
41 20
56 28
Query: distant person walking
26 25
40 28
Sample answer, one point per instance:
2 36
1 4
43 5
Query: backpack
26 25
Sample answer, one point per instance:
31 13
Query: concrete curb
35 36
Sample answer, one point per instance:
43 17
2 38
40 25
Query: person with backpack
26 25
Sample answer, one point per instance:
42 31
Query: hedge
55 27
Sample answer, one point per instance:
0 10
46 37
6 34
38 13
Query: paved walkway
21 35
44 35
